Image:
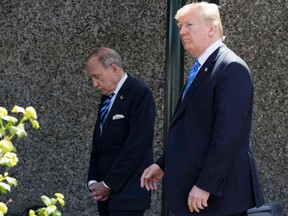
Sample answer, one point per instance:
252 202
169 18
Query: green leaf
8 125
5 162
50 209
19 130
11 181
3 111
6 146
17 109
32 213
59 195
3 208
30 113
61 201
4 187
34 123
46 200
41 211
57 213
9 159
10 119
53 201
2 132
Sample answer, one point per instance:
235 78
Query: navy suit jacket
209 140
125 148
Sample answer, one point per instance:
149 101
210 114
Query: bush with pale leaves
11 127
51 206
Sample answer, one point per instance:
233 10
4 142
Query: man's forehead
94 65
93 60
186 19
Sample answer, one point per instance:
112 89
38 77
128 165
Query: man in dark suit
123 137
208 164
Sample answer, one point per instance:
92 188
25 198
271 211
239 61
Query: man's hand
99 192
151 176
197 199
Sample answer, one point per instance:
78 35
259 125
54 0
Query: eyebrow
185 22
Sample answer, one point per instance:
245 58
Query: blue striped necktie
104 110
192 75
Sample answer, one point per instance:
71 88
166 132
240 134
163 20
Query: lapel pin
121 97
206 69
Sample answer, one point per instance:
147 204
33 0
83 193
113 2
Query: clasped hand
99 192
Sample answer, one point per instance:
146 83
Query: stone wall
43 47
257 31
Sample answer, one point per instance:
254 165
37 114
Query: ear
114 68
212 30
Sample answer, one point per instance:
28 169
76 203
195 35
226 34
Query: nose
95 83
182 31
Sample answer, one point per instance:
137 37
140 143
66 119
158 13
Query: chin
188 49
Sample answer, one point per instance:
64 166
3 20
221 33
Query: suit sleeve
138 142
93 163
161 162
232 124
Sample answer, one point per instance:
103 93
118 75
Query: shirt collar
120 83
209 51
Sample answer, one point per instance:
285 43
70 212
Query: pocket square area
118 116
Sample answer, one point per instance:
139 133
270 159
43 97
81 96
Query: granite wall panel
257 31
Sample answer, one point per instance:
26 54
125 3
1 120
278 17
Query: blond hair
209 14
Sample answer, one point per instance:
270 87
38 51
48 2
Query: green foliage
10 127
51 206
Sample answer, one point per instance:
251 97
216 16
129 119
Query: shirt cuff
91 182
94 181
106 185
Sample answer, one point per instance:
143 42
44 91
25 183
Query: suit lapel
120 98
202 74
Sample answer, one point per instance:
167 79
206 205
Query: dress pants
240 214
103 211
141 213
122 213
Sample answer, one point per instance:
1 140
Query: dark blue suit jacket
124 149
209 138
